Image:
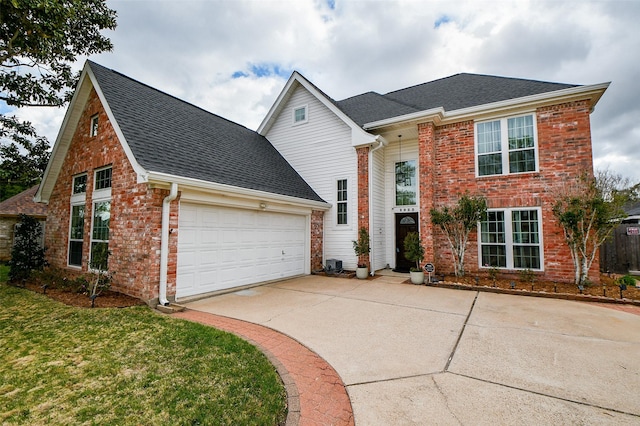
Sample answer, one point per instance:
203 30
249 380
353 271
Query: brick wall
136 211
447 170
363 195
317 239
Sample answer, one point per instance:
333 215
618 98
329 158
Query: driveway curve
425 355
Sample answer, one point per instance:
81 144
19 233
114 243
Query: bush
27 255
627 280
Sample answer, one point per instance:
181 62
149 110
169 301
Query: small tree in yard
588 210
27 254
102 277
457 223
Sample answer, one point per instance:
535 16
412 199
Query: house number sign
632 230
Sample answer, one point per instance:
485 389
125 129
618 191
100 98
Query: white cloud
192 50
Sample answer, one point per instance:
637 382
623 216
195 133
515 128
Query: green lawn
64 365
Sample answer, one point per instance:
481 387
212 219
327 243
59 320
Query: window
511 239
506 146
80 184
103 179
100 234
406 188
94 126
76 231
342 202
300 115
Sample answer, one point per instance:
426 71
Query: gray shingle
168 135
451 93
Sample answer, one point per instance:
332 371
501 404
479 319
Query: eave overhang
440 117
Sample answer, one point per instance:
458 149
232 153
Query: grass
65 365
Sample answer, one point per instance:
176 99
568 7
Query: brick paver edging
316 394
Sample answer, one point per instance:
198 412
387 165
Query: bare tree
457 222
588 210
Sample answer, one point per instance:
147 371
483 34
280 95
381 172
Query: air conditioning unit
333 266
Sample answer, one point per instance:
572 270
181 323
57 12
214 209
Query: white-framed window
76 234
406 183
93 131
100 233
341 204
101 218
512 239
102 179
507 146
79 184
300 115
76 221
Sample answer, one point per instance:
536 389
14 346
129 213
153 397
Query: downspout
382 142
164 243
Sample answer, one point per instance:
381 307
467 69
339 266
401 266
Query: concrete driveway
426 355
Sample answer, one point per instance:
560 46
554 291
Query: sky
233 57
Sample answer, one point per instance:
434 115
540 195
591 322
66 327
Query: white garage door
221 248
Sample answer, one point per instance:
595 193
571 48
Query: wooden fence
621 253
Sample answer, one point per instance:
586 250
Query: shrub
27 255
627 280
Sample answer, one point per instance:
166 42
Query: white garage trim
221 247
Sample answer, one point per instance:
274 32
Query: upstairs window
300 115
79 184
406 187
93 131
103 179
506 146
342 202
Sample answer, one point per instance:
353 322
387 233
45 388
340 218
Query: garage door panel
220 248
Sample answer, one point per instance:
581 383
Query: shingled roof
23 203
451 93
168 135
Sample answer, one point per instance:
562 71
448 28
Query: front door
405 223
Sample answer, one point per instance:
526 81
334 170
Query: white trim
347 202
306 115
510 106
68 128
359 136
163 179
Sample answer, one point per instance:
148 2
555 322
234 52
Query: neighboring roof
168 135
23 203
451 93
632 209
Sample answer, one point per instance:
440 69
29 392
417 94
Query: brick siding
363 195
447 170
136 211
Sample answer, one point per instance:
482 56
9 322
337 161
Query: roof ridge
167 94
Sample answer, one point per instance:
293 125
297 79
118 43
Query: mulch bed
108 299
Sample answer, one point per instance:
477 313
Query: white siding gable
320 150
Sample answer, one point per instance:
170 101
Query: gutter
164 243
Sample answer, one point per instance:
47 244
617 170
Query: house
191 204
187 202
383 161
10 211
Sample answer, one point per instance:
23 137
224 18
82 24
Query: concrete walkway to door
426 355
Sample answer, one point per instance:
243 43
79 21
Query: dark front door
405 223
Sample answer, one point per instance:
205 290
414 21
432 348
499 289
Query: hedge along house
187 202
383 161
